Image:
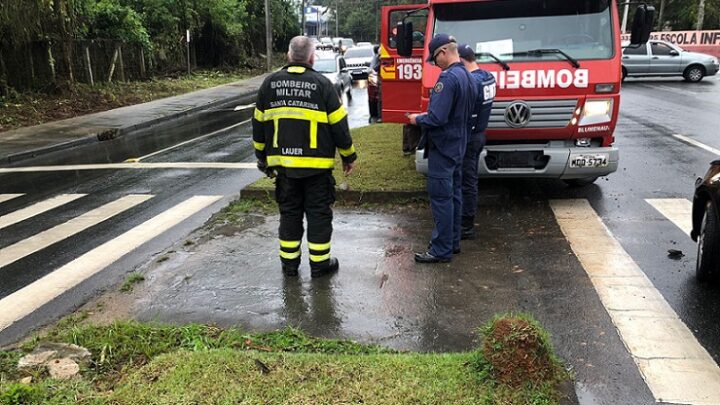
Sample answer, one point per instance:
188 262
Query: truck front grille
545 113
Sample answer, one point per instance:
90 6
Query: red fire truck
558 71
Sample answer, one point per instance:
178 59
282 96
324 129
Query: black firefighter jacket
299 122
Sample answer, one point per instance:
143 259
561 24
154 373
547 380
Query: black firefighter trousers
311 197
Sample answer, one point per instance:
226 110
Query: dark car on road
706 224
333 67
359 60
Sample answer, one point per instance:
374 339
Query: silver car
334 68
660 58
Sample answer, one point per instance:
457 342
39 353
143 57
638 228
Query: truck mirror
404 38
642 25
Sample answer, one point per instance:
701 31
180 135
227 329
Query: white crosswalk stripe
72 227
25 301
37 209
677 210
8 197
672 362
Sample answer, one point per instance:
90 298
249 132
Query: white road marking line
118 166
33 296
672 362
135 160
36 209
28 246
696 143
677 210
8 197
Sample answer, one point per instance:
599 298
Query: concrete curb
350 196
110 133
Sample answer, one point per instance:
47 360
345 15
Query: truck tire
580 182
694 73
708 255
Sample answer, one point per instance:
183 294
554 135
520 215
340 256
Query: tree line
222 32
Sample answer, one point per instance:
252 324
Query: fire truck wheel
708 259
580 182
694 73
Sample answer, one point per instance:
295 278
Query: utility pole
700 16
377 22
661 17
625 18
268 35
302 12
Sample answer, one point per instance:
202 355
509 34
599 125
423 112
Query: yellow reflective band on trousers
319 246
290 256
347 152
259 146
319 258
290 244
300 162
337 115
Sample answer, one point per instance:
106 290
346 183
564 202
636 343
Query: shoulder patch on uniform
438 87
296 69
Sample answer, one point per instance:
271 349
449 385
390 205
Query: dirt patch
518 352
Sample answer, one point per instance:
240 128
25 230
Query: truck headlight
596 112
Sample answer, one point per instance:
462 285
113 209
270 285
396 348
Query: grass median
380 167
135 363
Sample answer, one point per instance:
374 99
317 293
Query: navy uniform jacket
483 103
446 122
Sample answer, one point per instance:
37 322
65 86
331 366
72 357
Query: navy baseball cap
436 43
466 52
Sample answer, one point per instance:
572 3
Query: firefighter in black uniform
299 122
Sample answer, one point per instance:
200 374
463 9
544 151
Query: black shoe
331 267
467 234
428 258
456 251
290 270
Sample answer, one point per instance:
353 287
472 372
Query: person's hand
348 168
263 167
413 118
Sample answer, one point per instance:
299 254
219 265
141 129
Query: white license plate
598 160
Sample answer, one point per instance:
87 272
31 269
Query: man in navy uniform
445 128
486 86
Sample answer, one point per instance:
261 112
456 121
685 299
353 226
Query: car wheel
580 182
694 74
708 254
624 73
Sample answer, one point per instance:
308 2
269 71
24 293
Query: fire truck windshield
514 29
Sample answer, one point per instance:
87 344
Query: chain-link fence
38 64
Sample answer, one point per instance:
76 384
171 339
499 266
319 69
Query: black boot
290 270
467 231
329 267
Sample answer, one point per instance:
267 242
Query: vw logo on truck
518 114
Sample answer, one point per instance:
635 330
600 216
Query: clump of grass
239 208
517 354
130 282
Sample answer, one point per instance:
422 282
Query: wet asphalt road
653 165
